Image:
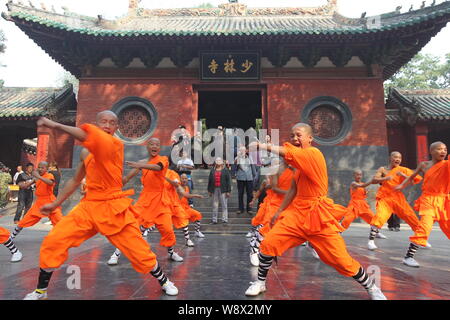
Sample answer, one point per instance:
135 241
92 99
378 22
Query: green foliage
424 71
2 42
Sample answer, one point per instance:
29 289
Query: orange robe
193 215
284 183
260 214
4 235
153 204
434 203
44 195
105 209
358 207
179 216
391 201
311 216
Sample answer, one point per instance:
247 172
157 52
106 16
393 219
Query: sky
27 65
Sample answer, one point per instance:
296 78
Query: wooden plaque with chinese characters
231 65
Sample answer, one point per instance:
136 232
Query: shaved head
43 163
435 145
395 153
305 126
106 113
154 140
357 171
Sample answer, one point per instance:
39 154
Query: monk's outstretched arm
75 132
269 147
361 185
45 180
410 179
143 165
172 182
67 191
188 195
380 176
130 176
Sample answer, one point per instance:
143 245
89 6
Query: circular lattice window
137 119
330 119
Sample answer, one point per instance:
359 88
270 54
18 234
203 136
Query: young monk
306 214
6 240
105 209
45 183
358 206
390 200
180 218
153 206
193 215
434 203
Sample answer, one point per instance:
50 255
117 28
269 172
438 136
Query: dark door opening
240 109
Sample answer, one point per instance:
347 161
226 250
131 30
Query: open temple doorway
240 109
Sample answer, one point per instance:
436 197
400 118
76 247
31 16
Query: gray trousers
218 196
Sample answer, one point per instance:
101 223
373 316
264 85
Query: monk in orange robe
306 215
105 209
389 200
45 183
6 240
277 187
193 215
434 203
182 213
358 206
153 205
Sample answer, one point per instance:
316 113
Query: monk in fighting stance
434 203
105 208
358 206
389 200
153 205
45 183
307 214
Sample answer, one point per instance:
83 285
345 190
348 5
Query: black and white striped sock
186 233
11 246
373 232
16 231
170 250
142 228
159 275
117 252
363 279
197 225
411 250
265 262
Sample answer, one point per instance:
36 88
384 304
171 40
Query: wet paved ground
218 268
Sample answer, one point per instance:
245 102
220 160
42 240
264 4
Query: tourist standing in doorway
245 175
26 186
219 187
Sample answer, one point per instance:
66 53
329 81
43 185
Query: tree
424 71
2 50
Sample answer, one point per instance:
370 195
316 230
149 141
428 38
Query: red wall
172 99
175 104
365 98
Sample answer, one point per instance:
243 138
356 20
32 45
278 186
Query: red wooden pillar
421 132
42 144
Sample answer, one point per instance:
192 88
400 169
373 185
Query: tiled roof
26 103
182 22
433 105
